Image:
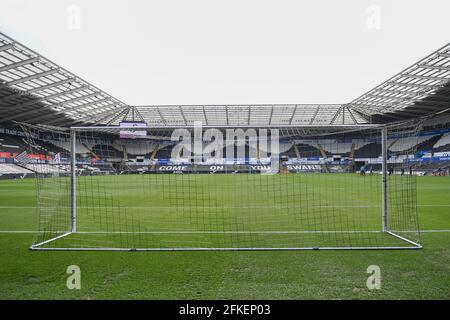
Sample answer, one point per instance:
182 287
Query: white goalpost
333 188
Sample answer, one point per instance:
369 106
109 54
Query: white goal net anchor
341 188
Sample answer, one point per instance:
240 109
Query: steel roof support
292 115
47 98
124 111
7 47
437 78
442 68
316 112
102 115
19 64
136 111
336 114
64 111
42 88
32 77
78 120
424 86
160 114
182 114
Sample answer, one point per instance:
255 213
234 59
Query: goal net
110 188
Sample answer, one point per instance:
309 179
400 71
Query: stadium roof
35 90
421 89
249 115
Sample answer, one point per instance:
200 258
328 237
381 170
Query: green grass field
406 274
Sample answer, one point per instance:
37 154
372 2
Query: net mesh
134 194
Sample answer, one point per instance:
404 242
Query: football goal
141 188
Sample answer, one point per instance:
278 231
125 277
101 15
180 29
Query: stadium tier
443 144
8 168
425 144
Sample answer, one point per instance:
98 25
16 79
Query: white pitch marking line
220 232
16 231
224 207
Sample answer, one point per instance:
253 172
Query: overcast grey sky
233 51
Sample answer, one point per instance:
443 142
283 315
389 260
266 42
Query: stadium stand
404 144
46 168
101 167
443 144
134 148
63 145
434 168
290 153
306 150
371 150
106 151
10 143
427 145
9 168
164 153
136 151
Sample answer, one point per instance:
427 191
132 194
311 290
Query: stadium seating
65 145
164 153
106 151
433 167
46 168
105 167
290 153
135 148
332 148
308 151
371 150
16 144
427 145
13 144
404 144
443 144
109 150
9 168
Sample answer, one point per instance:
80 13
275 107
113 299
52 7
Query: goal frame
383 129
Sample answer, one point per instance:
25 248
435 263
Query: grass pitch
227 275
